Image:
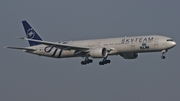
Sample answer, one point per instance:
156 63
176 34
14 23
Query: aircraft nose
173 43
170 44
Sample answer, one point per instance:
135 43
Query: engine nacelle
130 55
98 52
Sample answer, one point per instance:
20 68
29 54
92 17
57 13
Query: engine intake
130 55
98 52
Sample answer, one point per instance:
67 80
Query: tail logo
30 33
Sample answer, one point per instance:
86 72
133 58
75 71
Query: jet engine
98 52
130 55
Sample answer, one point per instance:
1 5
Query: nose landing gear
163 54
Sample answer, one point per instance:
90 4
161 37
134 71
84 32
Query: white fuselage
122 45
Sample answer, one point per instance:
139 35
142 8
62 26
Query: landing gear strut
163 54
104 61
86 61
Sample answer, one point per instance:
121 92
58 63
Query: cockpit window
169 39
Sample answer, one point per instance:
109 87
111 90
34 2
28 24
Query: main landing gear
104 61
86 61
163 54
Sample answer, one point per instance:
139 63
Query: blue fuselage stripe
54 52
60 54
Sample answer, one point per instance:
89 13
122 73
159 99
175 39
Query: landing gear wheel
108 61
163 57
90 60
101 63
83 63
86 61
104 62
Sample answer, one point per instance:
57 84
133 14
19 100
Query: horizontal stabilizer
22 48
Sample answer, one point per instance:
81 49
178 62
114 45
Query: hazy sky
26 77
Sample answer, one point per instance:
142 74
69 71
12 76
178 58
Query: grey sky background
26 77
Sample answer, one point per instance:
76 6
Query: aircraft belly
67 53
125 48
145 47
138 47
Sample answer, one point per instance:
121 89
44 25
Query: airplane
126 47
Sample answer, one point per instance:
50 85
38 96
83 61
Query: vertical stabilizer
31 33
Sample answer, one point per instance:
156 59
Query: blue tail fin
31 33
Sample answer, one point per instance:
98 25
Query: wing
60 45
